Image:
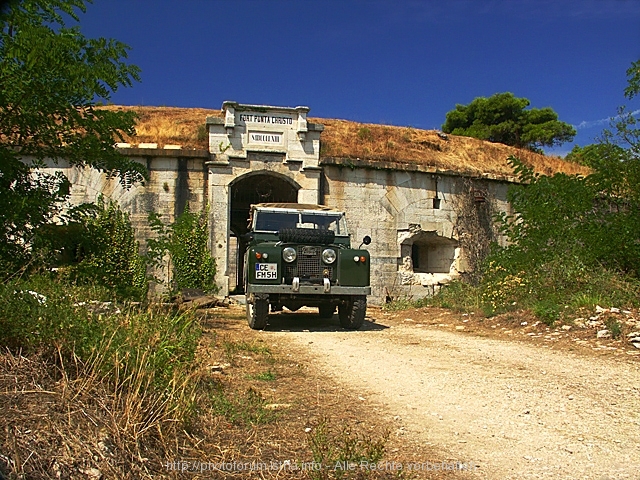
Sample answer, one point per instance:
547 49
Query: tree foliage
633 80
504 118
595 155
575 236
51 77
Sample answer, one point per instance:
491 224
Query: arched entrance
249 189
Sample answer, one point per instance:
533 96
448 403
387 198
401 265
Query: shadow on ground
310 321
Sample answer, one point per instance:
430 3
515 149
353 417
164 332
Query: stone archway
252 188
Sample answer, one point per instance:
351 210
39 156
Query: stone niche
428 258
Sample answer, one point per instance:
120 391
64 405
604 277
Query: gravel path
516 410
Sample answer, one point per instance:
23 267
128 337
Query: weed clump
343 452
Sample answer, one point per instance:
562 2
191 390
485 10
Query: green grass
64 321
554 292
231 348
458 296
247 408
137 366
267 376
343 446
585 300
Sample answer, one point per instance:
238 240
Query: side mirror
365 241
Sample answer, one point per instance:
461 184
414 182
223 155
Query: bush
43 314
112 256
547 310
186 242
96 244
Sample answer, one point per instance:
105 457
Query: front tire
258 313
352 312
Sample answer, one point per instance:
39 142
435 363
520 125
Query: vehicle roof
295 206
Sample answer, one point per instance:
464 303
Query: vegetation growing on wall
475 225
185 240
94 244
111 253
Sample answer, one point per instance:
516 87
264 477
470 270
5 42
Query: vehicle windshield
274 221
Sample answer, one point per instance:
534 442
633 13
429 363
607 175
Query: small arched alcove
431 253
426 258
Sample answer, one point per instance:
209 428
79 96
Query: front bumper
308 289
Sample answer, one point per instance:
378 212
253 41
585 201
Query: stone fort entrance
258 154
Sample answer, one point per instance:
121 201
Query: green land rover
300 255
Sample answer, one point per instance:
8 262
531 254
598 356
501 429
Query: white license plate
266 271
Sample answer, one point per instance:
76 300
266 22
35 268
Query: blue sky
399 62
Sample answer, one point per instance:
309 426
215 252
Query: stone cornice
165 153
410 167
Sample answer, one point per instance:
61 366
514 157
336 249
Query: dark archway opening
244 192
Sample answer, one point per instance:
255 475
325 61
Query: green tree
594 155
504 118
51 77
633 80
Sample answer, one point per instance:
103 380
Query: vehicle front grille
309 265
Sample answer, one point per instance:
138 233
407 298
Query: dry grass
352 140
170 125
343 139
75 422
84 426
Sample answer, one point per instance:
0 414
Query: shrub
41 313
186 242
112 254
547 310
96 244
614 327
365 134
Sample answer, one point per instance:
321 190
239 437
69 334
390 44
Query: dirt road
515 409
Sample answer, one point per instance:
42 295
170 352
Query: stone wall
411 213
176 177
412 218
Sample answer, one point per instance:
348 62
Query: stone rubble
598 322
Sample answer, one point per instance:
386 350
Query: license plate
266 271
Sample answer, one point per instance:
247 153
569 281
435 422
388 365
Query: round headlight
289 254
328 255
